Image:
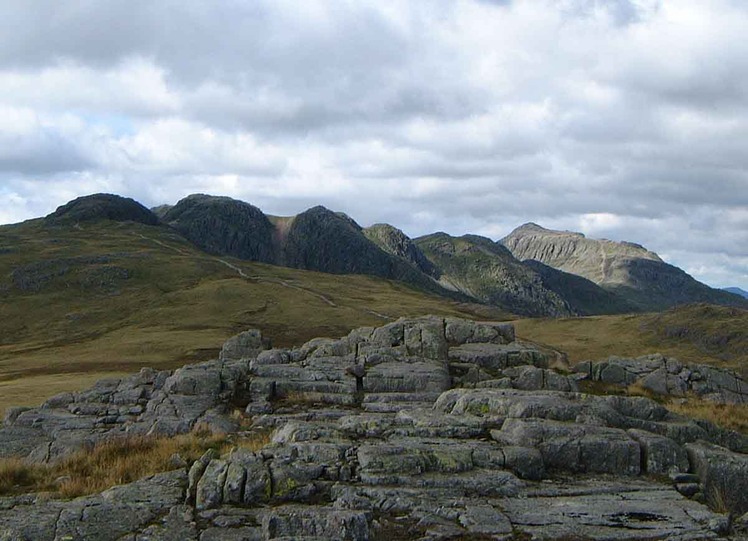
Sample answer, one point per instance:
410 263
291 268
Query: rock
574 448
660 455
418 376
604 509
210 487
196 472
485 520
723 473
531 378
297 522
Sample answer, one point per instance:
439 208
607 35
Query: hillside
80 301
697 333
623 268
584 297
479 267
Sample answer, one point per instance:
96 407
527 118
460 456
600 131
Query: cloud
622 118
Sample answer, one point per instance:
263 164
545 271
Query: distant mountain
101 206
585 298
487 271
626 269
737 291
323 240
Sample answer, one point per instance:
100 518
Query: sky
622 119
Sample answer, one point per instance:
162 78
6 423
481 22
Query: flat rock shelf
429 428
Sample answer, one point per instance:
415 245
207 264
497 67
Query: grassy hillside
80 302
694 333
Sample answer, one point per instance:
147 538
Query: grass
730 416
634 335
115 462
77 304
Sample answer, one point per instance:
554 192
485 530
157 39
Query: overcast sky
623 119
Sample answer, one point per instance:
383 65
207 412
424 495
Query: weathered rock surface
425 428
666 376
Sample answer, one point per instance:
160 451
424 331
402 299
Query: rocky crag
426 428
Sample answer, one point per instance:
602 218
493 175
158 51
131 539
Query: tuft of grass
113 463
123 461
15 473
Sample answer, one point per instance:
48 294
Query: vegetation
115 462
104 298
694 333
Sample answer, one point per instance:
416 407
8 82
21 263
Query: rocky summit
430 428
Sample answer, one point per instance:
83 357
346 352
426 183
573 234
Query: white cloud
623 118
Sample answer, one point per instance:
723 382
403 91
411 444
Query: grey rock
723 473
196 472
244 345
574 448
297 522
660 455
210 487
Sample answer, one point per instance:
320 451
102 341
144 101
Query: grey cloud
609 115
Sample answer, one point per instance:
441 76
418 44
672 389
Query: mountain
101 206
317 239
623 268
224 226
737 291
487 271
585 298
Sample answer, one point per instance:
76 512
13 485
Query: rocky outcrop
625 269
223 226
428 428
666 376
395 242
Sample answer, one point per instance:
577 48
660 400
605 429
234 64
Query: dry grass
730 416
599 337
14 472
115 462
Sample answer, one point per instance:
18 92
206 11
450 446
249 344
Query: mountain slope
585 298
487 271
623 268
317 239
737 291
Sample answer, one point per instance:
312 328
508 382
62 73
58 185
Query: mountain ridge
532 271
